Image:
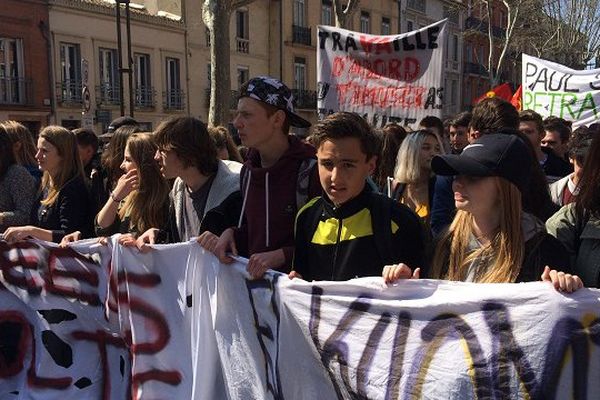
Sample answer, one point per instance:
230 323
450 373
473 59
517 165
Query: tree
342 13
216 15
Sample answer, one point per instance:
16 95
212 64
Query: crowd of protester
492 195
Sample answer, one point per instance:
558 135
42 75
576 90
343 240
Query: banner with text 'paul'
392 78
553 89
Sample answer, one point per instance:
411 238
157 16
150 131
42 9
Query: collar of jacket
349 208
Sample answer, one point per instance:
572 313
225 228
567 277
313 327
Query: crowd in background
492 195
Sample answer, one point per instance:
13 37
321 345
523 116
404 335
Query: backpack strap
303 181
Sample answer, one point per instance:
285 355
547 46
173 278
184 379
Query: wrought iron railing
174 99
301 34
15 91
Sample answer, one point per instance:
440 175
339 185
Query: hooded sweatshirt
270 201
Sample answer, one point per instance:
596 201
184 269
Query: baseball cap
274 93
116 124
497 154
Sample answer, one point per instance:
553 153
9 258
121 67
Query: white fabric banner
393 78
553 89
174 323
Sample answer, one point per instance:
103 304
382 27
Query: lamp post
122 70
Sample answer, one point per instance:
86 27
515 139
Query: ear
473 135
372 164
279 119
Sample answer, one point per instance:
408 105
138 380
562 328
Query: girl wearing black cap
491 240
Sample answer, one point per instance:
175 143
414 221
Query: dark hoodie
270 201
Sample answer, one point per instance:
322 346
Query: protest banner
553 89
174 323
392 78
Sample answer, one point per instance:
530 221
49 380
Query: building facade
25 91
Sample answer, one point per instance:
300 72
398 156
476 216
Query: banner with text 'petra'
392 78
107 322
553 89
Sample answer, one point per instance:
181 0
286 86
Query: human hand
145 239
16 233
126 184
70 238
127 240
394 272
208 241
259 263
225 244
294 275
562 282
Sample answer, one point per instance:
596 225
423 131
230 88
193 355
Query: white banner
553 89
174 323
394 78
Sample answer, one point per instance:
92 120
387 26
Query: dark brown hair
7 157
492 114
391 137
342 125
589 194
532 116
223 140
114 154
189 138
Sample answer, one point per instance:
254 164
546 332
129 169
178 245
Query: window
417 5
207 33
453 92
454 49
326 13
12 82
109 76
365 22
469 53
299 13
468 94
242 31
70 73
409 25
300 73
243 75
386 26
174 95
143 81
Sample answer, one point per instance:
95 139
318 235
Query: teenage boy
205 195
87 145
278 178
352 231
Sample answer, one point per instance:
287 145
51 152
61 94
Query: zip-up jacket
356 239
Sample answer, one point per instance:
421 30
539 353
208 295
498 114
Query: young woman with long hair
23 147
65 203
577 225
140 199
414 180
17 187
491 239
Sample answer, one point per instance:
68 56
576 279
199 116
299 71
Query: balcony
69 93
472 23
108 94
15 91
144 97
305 99
301 35
173 100
243 45
475 68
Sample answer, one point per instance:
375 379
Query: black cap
496 154
275 93
119 122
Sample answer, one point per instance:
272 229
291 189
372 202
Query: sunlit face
529 129
255 127
477 195
459 138
170 165
47 157
343 169
128 164
429 149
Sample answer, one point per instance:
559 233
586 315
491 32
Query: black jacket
357 239
72 211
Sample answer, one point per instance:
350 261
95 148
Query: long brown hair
18 133
145 206
588 198
112 157
66 144
505 252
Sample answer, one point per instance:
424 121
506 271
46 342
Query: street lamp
122 70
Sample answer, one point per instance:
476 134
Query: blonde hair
145 206
504 253
66 145
408 167
18 133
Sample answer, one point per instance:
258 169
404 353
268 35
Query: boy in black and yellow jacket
352 232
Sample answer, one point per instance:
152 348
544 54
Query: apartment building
84 32
25 91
